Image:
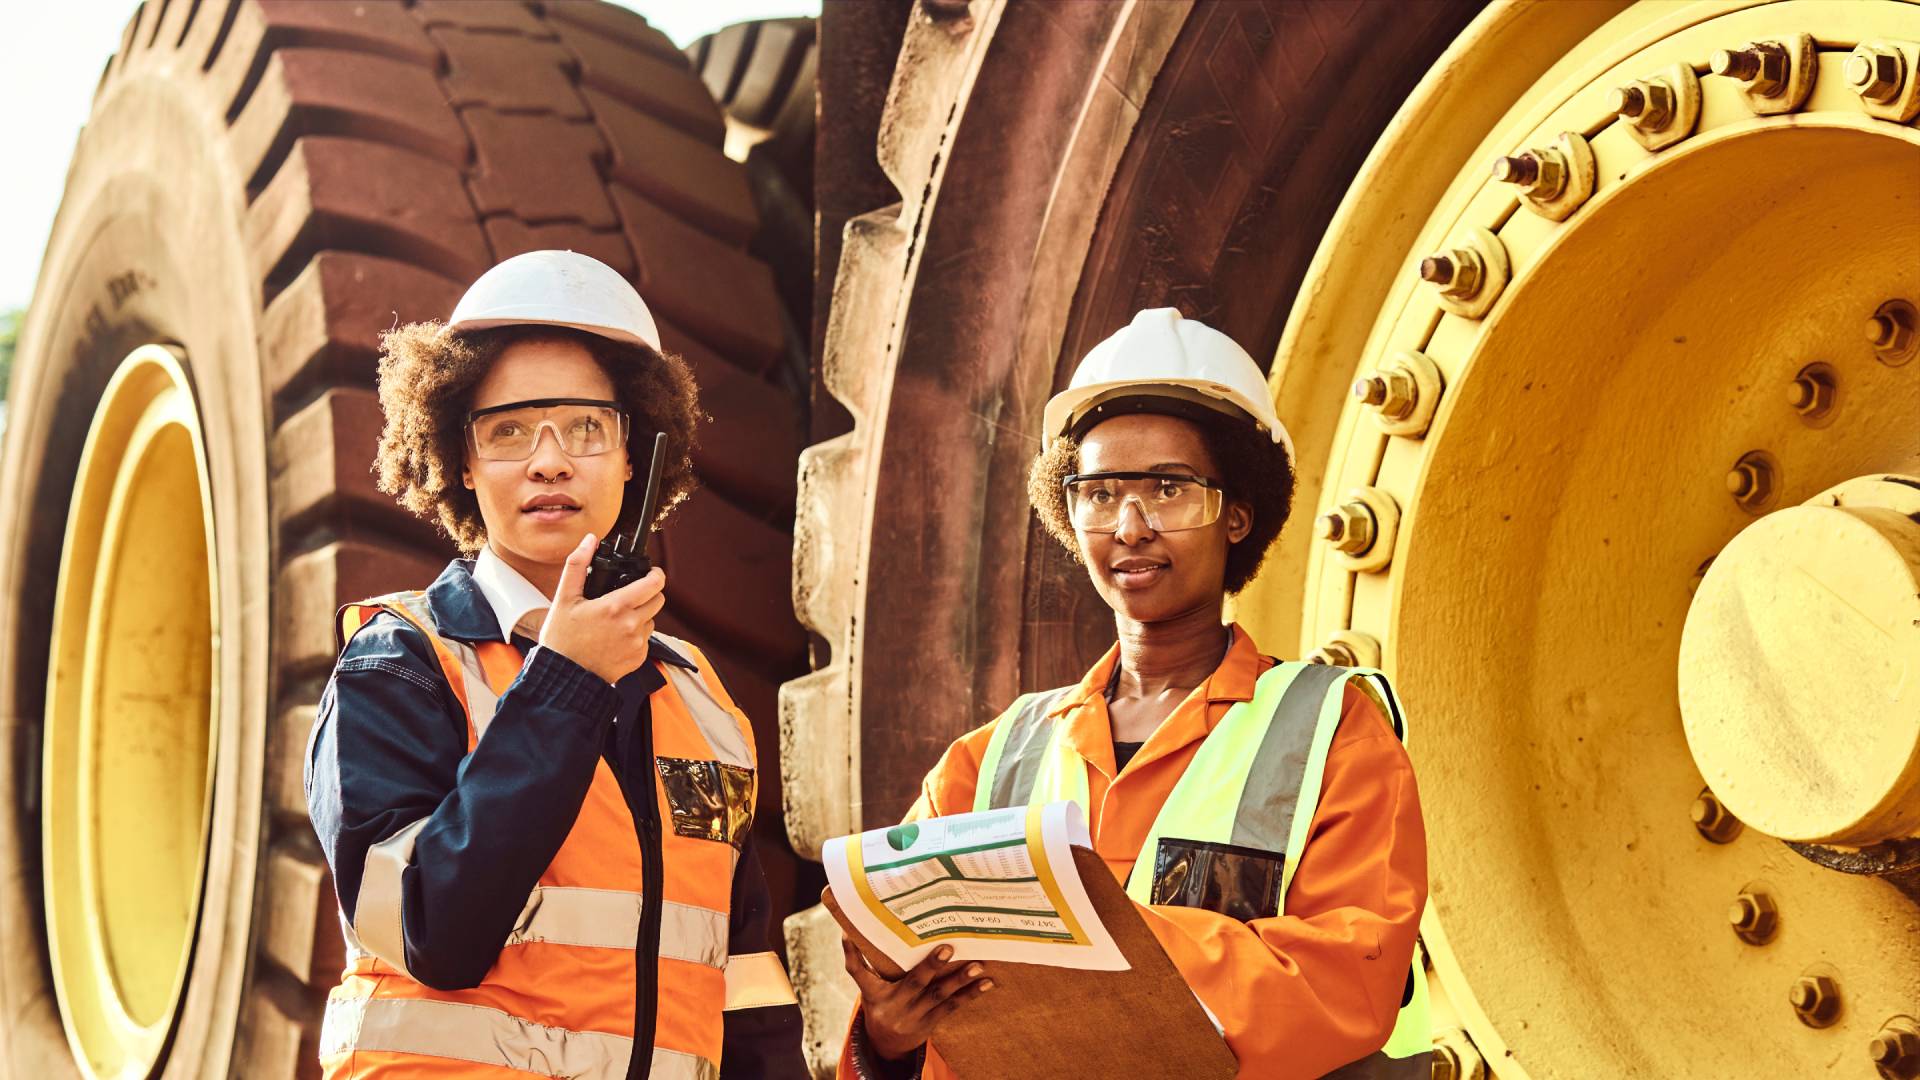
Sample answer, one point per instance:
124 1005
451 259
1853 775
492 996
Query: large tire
1081 162
1035 270
265 186
1249 162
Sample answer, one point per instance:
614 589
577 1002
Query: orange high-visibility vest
559 1000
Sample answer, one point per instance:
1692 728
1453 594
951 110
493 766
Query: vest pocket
1240 882
709 800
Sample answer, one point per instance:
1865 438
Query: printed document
995 884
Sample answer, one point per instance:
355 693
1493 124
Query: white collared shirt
511 596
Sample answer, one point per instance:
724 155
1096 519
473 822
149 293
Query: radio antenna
648 502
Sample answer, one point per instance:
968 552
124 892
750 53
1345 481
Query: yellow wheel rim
1614 408
130 714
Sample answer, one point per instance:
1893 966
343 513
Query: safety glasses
582 427
1169 502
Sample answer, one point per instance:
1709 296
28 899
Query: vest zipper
644 806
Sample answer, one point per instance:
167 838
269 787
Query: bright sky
50 61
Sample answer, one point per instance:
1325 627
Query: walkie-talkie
612 567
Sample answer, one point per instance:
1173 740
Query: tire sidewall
147 249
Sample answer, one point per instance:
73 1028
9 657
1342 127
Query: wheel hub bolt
1348 528
1875 72
1753 916
1371 390
1456 272
1540 173
1811 392
1335 653
1890 330
1393 390
1646 103
1456 1058
1815 1000
1750 481
1761 66
1895 1049
1713 820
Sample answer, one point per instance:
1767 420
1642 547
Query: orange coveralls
1298 994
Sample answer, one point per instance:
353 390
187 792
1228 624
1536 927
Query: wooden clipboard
1038 1021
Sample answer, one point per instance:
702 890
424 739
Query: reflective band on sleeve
475 1033
610 919
756 980
721 729
376 913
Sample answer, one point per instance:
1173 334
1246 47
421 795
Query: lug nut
1895 1049
1714 821
1762 66
1456 1058
1890 330
1646 103
1540 173
1456 272
1393 390
1335 653
1875 72
1750 481
1753 916
1815 1000
1348 528
1811 392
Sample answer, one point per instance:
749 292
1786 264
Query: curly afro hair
1253 469
427 380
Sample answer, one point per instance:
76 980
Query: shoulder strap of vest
459 662
1240 784
1015 751
1374 683
725 729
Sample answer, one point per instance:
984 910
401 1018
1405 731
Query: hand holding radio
603 610
606 635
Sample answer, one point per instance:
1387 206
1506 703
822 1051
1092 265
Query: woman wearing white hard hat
536 808
1263 815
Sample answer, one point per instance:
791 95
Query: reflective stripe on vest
690 722
610 919
476 1033
1254 782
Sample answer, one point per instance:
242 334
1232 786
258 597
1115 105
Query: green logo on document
901 837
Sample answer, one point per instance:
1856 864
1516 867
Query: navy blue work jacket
389 747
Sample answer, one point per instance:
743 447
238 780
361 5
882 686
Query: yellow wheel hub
1800 669
129 740
1643 296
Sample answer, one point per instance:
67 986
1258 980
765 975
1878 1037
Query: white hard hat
557 288
1182 362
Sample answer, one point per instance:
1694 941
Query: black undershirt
1122 751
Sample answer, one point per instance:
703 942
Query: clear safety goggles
1169 502
582 427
